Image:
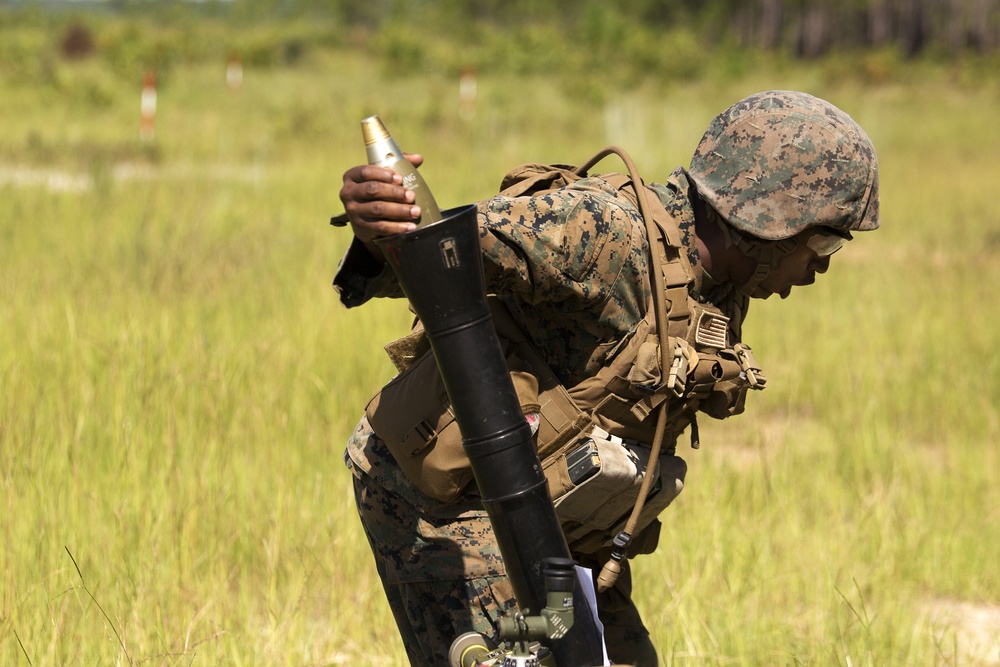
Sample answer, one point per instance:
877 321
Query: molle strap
662 221
678 311
645 407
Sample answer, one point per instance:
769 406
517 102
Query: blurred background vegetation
88 55
668 39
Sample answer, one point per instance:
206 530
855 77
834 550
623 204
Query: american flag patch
711 330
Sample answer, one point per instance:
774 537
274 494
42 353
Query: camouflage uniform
575 276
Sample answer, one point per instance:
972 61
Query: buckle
751 370
678 371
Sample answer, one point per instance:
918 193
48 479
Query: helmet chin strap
768 254
759 275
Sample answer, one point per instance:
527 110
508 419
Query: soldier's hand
377 204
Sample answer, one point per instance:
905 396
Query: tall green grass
178 378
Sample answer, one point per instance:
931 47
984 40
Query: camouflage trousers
441 567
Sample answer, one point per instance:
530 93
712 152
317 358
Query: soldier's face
799 267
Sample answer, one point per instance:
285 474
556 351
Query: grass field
177 378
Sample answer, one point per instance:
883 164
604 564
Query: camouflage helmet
779 162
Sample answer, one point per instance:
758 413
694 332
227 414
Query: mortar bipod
522 634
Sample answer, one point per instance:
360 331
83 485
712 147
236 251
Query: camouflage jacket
575 275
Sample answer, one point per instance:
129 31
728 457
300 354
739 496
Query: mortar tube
439 268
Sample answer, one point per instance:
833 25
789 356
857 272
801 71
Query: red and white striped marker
147 107
467 92
234 73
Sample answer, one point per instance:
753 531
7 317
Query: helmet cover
779 162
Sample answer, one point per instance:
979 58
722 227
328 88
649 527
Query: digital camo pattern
576 277
779 162
571 266
439 564
442 570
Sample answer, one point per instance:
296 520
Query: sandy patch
57 180
52 179
973 629
746 445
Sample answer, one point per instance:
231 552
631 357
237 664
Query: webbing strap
670 273
664 303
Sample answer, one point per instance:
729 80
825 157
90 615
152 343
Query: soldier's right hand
377 204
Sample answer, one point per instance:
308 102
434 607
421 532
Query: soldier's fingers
379 211
374 191
370 172
376 202
368 232
384 228
416 159
373 200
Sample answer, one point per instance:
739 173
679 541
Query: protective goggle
827 241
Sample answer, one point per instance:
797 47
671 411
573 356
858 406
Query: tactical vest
592 438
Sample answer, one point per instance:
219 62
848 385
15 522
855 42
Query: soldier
777 184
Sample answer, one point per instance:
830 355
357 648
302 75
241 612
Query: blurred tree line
815 27
806 28
626 40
